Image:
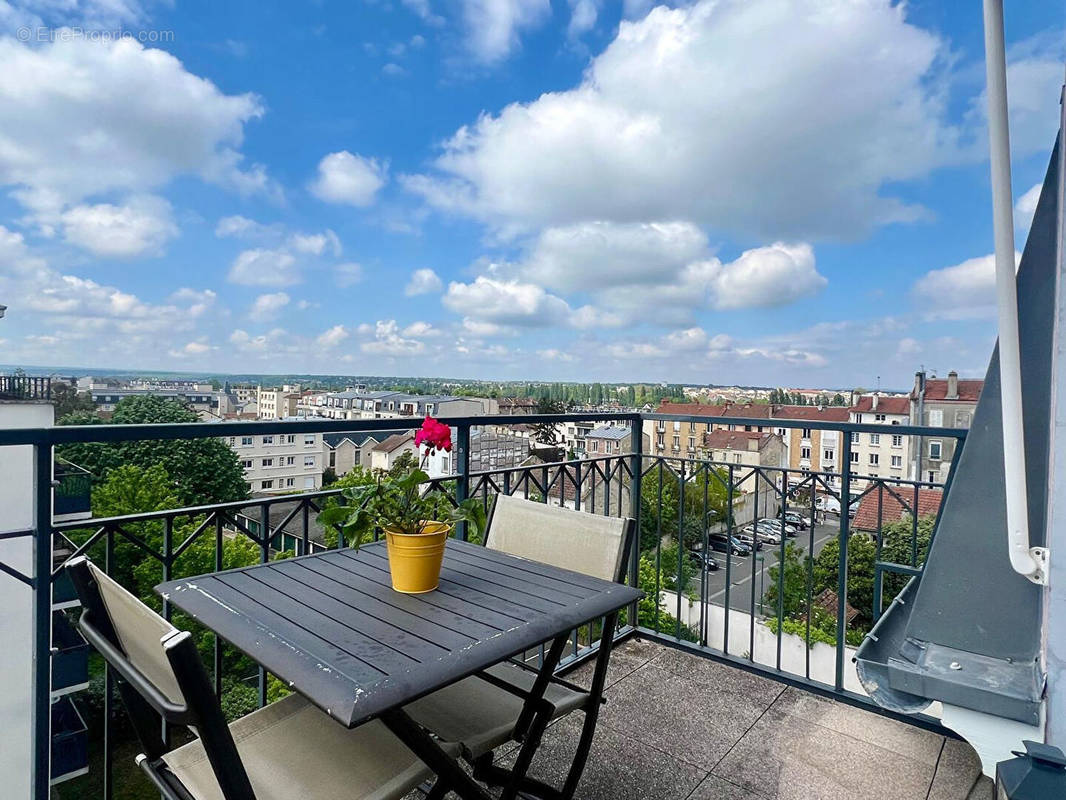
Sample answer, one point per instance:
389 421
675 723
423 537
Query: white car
827 503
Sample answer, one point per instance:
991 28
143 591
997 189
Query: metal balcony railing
757 610
23 387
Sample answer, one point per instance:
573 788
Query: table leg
449 774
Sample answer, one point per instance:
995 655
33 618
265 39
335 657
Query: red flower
434 435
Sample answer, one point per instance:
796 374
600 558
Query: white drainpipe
1028 561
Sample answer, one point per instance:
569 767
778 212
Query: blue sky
787 192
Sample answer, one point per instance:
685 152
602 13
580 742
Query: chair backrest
162 678
577 540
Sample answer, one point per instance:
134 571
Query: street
742 574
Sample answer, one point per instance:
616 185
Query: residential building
880 455
245 392
278 403
495 449
281 462
809 449
940 403
517 405
608 440
344 451
207 403
385 454
887 507
745 449
684 439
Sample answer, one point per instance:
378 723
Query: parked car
726 544
702 560
773 523
797 519
769 535
749 538
827 504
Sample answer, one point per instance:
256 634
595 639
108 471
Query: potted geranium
416 522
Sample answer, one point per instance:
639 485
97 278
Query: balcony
741 654
25 388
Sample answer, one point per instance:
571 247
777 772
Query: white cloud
263 267
583 14
767 276
506 302
315 243
140 227
962 291
420 328
82 119
688 114
423 281
239 227
333 337
347 178
267 305
493 27
348 274
1025 208
389 342
195 348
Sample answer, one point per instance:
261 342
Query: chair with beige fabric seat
287 750
481 713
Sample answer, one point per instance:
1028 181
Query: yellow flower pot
415 558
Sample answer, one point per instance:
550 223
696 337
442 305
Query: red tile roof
885 405
734 440
825 413
969 389
891 508
748 410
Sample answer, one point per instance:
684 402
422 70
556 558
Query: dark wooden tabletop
332 627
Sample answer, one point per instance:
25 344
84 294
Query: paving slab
788 758
715 788
957 772
631 655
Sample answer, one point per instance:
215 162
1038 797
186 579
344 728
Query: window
897 461
692 427
854 458
231 441
736 458
246 463
936 417
897 440
806 433
594 446
854 438
962 419
333 458
875 439
691 442
677 442
291 460
935 450
309 482
659 440
268 440
607 447
309 461
290 481
828 455
246 441
266 485
805 452
268 462
879 417
662 424
677 426
290 438
931 477
446 465
309 440
875 459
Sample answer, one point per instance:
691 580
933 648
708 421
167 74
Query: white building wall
16 601
282 462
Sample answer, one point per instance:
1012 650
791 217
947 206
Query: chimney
873 403
919 384
953 386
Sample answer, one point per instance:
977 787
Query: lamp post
1038 773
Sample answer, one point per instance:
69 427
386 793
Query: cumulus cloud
267 305
767 276
583 14
349 179
348 274
83 119
263 267
423 281
388 341
493 27
678 119
316 243
962 291
142 226
332 337
1025 208
507 302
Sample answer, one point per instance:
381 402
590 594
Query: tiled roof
885 405
358 439
734 440
969 389
824 414
891 507
394 442
748 410
613 432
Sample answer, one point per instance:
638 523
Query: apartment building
207 403
684 439
342 452
809 449
745 449
279 463
278 403
940 403
608 440
880 455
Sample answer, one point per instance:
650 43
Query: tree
547 433
204 470
860 587
794 583
68 400
329 477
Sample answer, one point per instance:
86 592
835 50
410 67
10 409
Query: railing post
842 564
636 449
42 619
462 468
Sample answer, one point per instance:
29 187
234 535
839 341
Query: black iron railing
23 387
771 596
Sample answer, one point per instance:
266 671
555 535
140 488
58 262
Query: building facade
278 403
880 455
940 403
745 449
281 462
